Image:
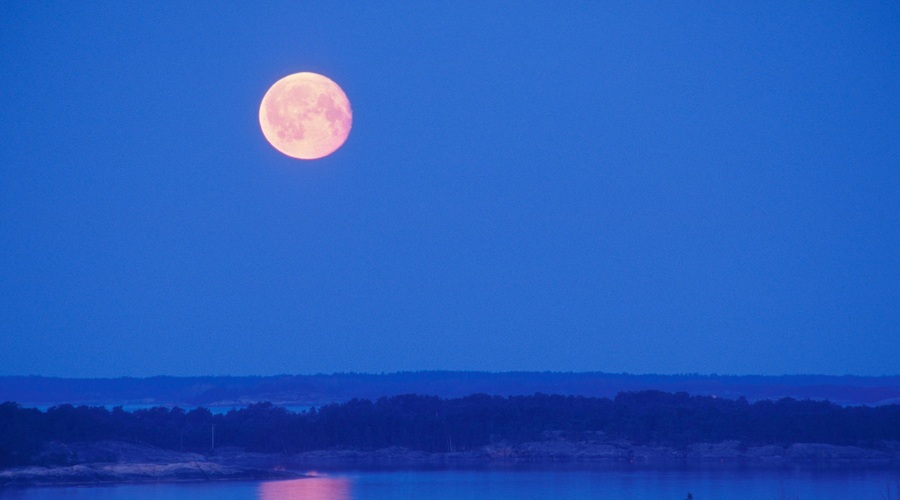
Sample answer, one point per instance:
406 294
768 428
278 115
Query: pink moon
305 116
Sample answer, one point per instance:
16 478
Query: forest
432 424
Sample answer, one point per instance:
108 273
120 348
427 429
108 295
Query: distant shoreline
302 391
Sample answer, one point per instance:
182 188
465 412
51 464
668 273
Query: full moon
305 116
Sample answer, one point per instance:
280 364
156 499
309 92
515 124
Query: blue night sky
645 187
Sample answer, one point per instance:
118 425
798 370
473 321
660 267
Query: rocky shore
125 473
118 462
574 451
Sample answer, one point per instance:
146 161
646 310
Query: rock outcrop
116 462
119 462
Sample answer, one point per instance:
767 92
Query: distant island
304 391
70 444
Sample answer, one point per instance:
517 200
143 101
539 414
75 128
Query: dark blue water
519 483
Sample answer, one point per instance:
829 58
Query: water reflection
307 488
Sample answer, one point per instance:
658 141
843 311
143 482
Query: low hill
319 389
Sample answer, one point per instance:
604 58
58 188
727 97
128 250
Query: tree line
432 424
314 389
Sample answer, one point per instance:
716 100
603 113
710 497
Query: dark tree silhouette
431 424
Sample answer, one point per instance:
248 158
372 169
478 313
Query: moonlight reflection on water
308 488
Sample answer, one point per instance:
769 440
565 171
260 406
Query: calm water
518 483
